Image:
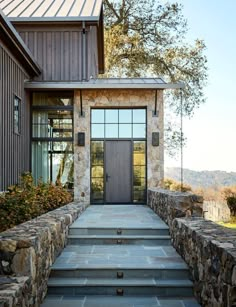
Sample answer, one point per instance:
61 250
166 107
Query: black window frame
46 108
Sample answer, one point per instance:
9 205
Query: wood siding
64 54
14 148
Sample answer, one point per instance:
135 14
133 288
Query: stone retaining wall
208 249
169 205
28 250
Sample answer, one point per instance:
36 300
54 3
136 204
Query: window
52 136
118 123
17 114
113 125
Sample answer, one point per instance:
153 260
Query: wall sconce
81 139
155 139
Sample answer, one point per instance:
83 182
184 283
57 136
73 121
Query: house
103 137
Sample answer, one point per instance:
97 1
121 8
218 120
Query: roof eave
17 20
88 86
18 47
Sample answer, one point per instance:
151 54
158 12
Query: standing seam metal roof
57 9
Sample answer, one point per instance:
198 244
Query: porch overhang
110 83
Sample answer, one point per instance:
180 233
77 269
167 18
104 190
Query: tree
147 37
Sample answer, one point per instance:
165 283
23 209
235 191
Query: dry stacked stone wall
208 249
27 252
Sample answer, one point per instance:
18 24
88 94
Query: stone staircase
119 266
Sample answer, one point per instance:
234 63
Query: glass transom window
118 123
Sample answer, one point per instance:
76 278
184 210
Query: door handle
107 177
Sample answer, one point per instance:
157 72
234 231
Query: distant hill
202 178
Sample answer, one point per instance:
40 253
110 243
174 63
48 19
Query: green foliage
230 196
148 38
26 201
173 185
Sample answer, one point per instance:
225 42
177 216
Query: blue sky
211 132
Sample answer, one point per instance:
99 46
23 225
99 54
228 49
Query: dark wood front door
118 166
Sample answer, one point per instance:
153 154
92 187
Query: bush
173 185
26 201
230 196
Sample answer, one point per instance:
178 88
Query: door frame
119 139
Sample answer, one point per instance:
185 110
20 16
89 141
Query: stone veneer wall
116 98
28 250
207 248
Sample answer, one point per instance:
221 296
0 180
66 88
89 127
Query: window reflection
97 189
97 171
139 171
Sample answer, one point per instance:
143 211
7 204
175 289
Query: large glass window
52 137
118 123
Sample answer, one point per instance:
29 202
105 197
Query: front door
118 168
118 155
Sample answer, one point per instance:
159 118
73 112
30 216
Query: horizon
200 171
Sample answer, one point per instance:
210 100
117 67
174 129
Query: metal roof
108 83
14 42
42 10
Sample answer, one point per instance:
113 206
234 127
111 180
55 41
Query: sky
211 132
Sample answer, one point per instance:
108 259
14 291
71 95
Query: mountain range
202 178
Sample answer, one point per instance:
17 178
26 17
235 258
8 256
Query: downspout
84 53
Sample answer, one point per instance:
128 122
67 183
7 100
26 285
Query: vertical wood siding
61 53
14 148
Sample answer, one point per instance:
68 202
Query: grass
231 224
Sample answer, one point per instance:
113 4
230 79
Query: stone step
117 301
174 273
153 240
163 230
137 287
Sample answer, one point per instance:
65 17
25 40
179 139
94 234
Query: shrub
26 201
173 185
230 196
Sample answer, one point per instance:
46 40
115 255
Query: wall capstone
27 252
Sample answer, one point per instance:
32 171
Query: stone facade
28 250
118 99
207 248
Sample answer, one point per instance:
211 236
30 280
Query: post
181 138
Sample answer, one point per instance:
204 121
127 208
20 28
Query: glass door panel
139 171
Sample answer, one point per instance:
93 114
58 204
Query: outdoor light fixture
155 113
81 139
155 139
